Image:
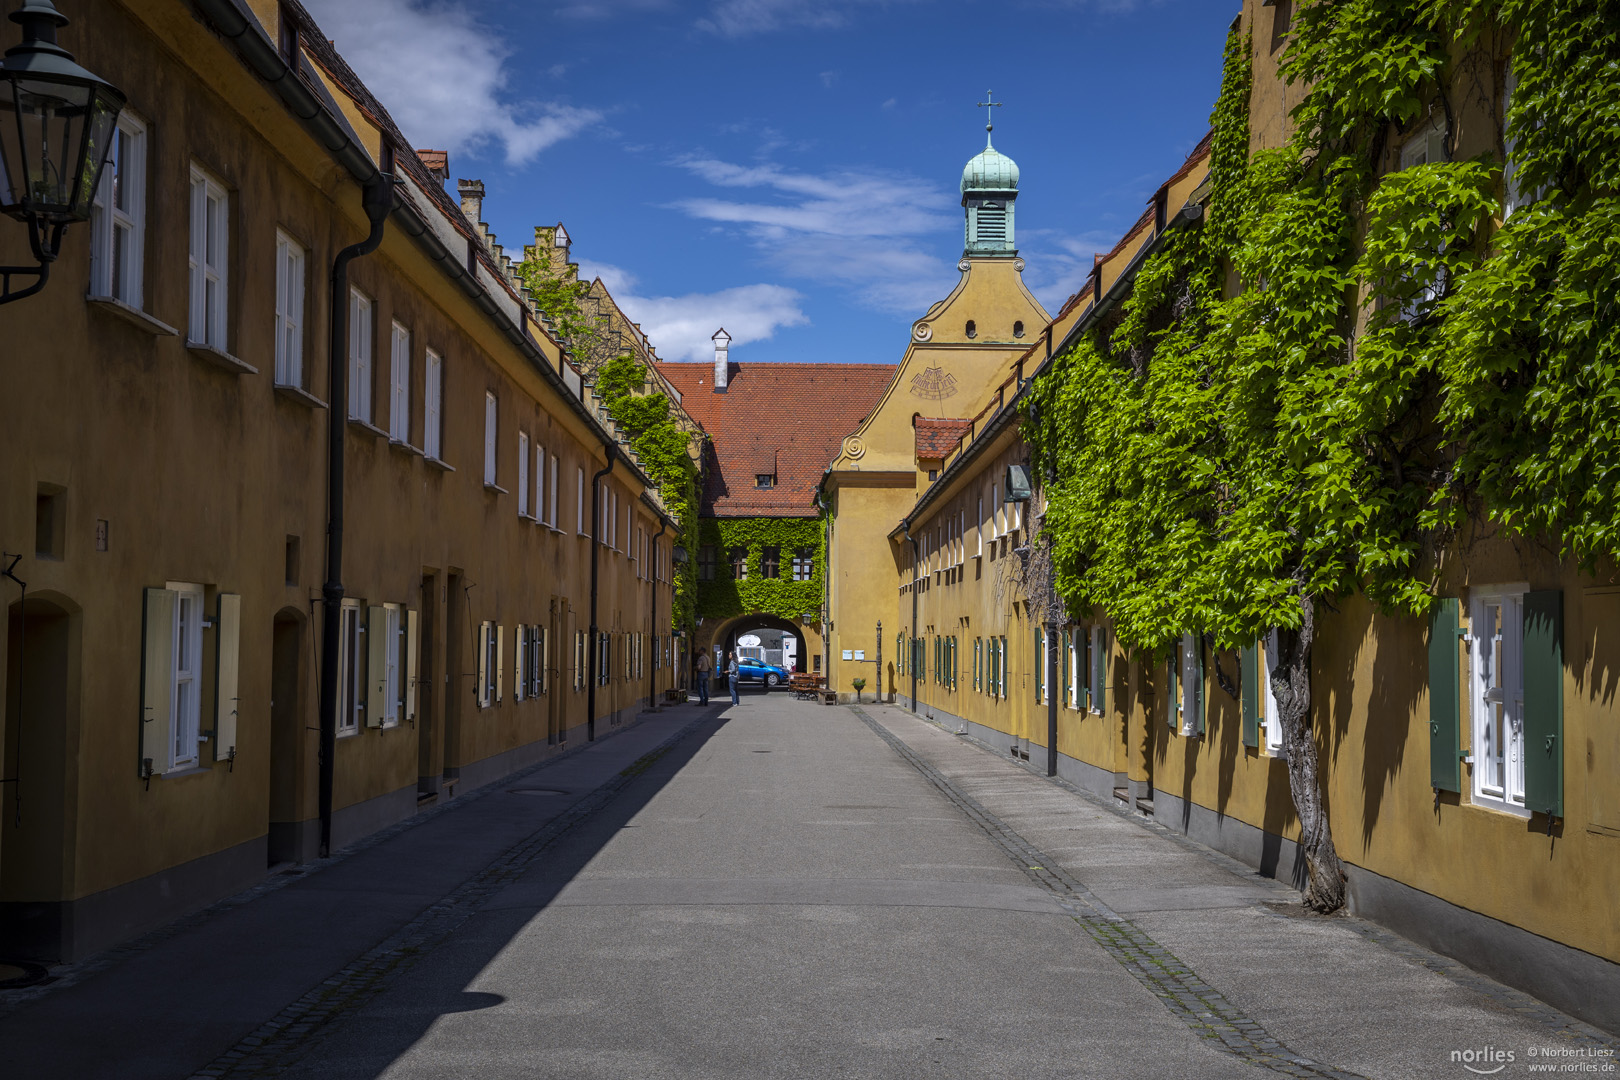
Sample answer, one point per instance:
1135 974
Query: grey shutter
157 679
227 675
1544 702
376 665
1249 680
1445 714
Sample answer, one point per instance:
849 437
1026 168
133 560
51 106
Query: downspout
612 450
911 654
377 200
1051 699
652 677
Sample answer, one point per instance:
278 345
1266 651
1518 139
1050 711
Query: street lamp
56 126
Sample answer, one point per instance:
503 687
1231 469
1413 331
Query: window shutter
517 663
482 689
1249 679
1068 668
1544 702
1099 670
500 661
377 665
1445 712
227 674
523 474
157 678
199 233
295 315
410 663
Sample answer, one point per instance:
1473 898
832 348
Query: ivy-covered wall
780 596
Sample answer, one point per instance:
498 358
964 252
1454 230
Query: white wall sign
848 654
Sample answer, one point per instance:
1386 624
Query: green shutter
1544 702
1445 702
1249 680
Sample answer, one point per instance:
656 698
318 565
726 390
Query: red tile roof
938 436
786 420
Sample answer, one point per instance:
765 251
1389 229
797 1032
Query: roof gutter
241 28
1010 413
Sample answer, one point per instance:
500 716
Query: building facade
166 429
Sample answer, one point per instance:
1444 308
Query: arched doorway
41 707
724 638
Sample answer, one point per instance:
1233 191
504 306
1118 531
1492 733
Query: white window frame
492 419
1270 650
393 671
1186 688
520 656
489 652
118 233
361 336
1496 681
209 258
291 274
579 506
523 474
539 482
433 407
551 517
1097 681
186 675
399 384
351 669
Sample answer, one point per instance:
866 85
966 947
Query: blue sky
789 168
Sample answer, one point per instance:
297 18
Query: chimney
722 342
437 163
472 200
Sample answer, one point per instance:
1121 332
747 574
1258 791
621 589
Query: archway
723 638
40 710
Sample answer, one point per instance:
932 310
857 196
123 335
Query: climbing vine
662 447
1347 364
780 596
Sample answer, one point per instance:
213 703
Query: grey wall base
1582 984
73 929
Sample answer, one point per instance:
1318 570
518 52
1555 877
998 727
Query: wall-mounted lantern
1017 486
57 122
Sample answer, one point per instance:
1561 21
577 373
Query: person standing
704 666
731 673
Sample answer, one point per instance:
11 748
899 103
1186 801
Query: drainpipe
1051 699
652 678
377 200
612 451
911 657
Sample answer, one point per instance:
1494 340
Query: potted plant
859 685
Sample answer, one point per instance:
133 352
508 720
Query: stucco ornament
922 331
1018 265
855 447
965 265
933 383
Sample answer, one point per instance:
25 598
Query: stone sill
404 448
220 358
132 315
367 426
299 395
494 489
442 466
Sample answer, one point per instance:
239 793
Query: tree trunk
1291 686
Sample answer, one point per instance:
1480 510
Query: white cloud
441 75
681 327
859 229
829 79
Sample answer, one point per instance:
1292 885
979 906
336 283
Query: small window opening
294 553
50 506
972 329
933 474
1018 329
1282 18
764 480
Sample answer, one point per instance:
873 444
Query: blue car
750 670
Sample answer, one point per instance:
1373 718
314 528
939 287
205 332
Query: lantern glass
55 135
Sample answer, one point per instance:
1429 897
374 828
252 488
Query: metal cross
989 103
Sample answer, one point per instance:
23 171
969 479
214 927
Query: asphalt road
782 889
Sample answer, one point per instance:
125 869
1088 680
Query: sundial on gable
934 384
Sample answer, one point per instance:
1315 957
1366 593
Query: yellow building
165 430
1439 841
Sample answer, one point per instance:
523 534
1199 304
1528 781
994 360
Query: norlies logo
1481 1061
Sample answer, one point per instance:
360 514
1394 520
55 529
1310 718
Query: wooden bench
804 685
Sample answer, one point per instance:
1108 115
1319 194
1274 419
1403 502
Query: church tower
989 190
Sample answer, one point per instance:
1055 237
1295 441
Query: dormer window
972 329
1018 329
764 480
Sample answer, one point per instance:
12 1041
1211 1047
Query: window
1018 329
972 329
1282 18
1098 681
491 420
1268 700
118 222
535 661
1514 198
978 664
351 674
771 562
399 385
1496 677
1040 664
706 562
539 482
520 665
579 505
579 659
978 529
289 311
360 337
739 563
764 480
433 408
1186 698
523 474
186 685
210 218
804 564
392 651
551 515
489 665
604 655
